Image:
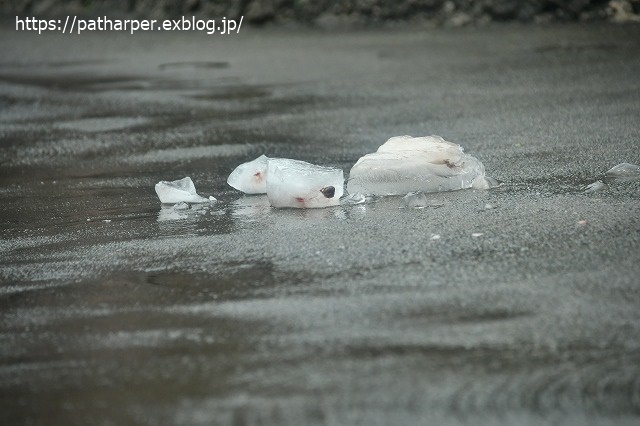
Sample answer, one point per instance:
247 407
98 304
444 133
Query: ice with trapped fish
298 184
406 164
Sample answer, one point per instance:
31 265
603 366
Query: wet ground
519 305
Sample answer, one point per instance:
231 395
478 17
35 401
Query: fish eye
328 191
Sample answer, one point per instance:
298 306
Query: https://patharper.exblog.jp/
75 25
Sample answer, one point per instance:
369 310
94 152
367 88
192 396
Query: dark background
343 13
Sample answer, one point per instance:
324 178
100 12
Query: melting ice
250 177
418 200
406 164
177 191
294 183
595 187
624 171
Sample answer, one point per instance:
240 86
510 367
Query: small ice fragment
624 171
405 164
416 200
212 198
294 183
477 234
182 190
582 222
485 182
488 206
595 187
435 237
250 177
181 206
353 199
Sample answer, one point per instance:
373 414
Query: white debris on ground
406 164
297 184
624 171
250 177
177 191
594 187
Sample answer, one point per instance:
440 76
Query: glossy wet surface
519 305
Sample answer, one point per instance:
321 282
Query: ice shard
406 164
297 184
178 191
624 171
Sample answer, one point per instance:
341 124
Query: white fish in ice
250 177
178 191
406 164
297 184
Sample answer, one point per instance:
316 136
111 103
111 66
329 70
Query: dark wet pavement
519 305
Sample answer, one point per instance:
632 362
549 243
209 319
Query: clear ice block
406 164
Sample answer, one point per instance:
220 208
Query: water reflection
184 219
182 211
255 210
250 208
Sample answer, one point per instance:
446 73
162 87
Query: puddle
72 82
193 153
233 280
574 48
194 65
235 93
102 124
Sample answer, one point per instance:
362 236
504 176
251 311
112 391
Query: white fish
297 184
177 191
406 164
250 177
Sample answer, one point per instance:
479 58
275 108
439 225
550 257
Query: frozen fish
294 183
